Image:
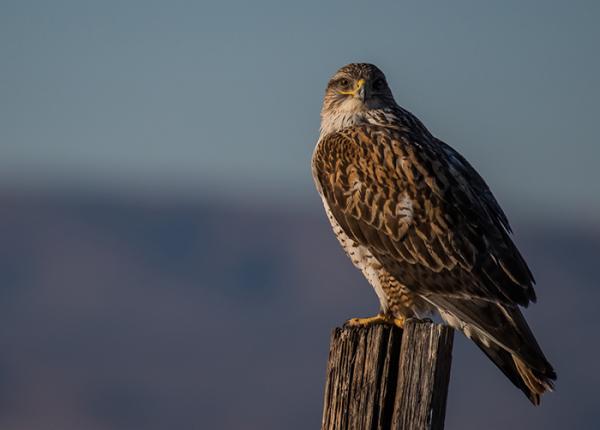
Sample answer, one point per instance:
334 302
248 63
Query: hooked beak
360 90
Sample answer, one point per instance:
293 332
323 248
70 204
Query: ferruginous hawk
422 225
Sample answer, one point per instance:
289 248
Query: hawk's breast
393 296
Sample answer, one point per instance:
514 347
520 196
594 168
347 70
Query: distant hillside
124 313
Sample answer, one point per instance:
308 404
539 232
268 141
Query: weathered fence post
381 377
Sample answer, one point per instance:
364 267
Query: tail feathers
531 382
537 382
503 334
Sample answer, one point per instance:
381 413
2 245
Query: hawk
422 225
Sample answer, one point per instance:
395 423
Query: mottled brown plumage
422 225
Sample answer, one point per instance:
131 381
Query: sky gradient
225 96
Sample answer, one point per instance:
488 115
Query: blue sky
225 96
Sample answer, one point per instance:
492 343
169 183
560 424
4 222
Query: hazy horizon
122 314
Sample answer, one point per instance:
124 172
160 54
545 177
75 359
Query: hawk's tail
504 336
530 381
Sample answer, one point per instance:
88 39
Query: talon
377 319
380 318
399 322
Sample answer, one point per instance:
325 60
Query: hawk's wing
476 182
423 211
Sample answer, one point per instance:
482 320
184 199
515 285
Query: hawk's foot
380 318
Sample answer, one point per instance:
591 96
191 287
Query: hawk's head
354 90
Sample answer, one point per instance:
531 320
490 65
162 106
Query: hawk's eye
379 84
343 83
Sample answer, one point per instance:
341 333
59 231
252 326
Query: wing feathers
415 202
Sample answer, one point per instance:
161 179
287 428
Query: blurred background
165 261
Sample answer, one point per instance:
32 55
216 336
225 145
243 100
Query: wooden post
381 377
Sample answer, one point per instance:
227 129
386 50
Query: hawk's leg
380 318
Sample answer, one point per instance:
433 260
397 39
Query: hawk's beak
359 91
